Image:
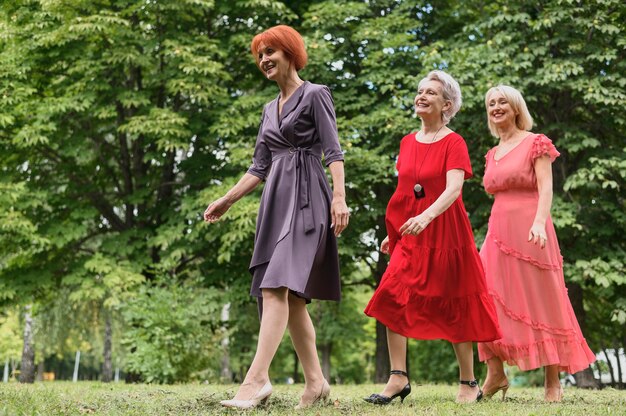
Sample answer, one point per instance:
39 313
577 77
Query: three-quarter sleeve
323 112
457 157
262 157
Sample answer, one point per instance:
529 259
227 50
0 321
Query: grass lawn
65 398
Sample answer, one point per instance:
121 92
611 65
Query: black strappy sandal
473 383
380 399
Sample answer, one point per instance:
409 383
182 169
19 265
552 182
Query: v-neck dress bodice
294 246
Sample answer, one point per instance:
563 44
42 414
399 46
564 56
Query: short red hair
285 38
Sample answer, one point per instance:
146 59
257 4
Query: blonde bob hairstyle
523 119
451 92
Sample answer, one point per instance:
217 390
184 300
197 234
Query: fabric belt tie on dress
303 179
304 191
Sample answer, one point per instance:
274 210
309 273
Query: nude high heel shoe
489 393
260 398
324 397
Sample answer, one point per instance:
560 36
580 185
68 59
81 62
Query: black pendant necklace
418 189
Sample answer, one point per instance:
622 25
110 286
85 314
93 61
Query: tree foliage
120 120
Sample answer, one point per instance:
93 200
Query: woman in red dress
521 256
434 286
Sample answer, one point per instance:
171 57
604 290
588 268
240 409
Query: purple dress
294 246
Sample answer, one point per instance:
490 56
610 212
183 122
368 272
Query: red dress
434 286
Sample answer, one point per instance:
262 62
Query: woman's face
429 99
500 112
273 62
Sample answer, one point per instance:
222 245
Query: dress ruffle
543 146
518 254
540 354
528 320
439 307
455 319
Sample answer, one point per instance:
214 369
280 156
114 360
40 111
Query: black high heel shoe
380 399
473 383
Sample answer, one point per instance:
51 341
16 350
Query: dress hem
539 354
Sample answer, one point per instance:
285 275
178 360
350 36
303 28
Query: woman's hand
537 234
384 246
339 214
415 225
216 209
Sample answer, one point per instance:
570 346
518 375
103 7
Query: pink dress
536 318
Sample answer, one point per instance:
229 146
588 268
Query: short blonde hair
451 92
523 119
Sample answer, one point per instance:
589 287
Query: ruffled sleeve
543 146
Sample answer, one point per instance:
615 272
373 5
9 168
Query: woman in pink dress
521 256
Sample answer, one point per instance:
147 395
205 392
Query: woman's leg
397 359
552 384
273 325
465 357
302 335
496 377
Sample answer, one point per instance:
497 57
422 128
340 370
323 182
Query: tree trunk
620 384
225 372
107 365
326 350
382 350
584 379
382 354
27 369
5 377
381 375
610 365
76 366
40 370
296 375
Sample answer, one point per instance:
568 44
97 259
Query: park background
121 120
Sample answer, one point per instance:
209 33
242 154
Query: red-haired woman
295 252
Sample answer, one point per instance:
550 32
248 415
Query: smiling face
501 113
429 100
273 62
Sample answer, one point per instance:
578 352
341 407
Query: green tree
568 59
103 102
121 120
10 339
